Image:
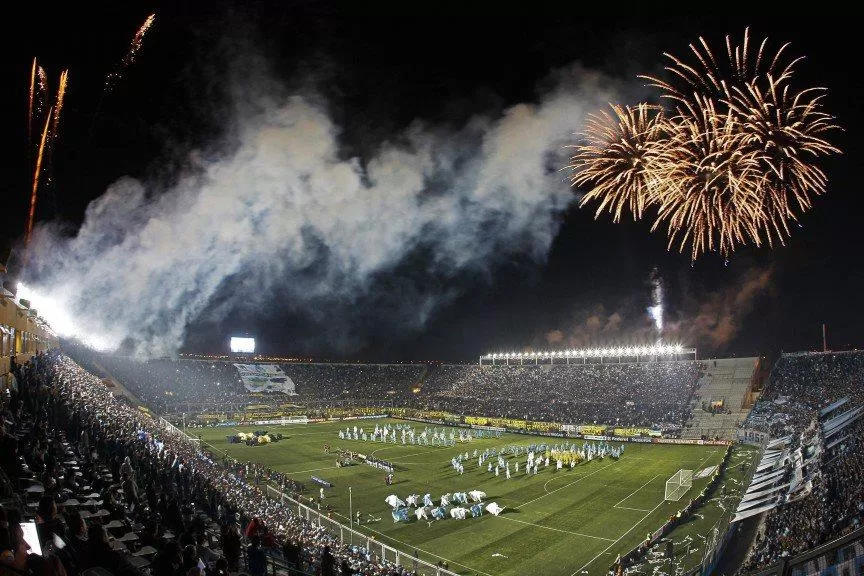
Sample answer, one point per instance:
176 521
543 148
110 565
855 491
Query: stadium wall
550 429
22 335
560 434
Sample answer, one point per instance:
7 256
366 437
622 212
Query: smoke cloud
281 212
717 318
710 321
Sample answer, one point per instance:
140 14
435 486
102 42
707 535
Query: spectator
256 560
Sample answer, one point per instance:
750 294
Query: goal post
678 485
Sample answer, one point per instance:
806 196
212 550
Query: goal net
679 484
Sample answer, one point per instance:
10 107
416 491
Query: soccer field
566 522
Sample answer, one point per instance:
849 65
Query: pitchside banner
265 378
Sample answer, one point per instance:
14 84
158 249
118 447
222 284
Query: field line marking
565 486
407 545
635 491
619 538
402 455
309 470
556 529
576 573
634 509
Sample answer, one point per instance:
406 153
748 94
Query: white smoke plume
655 311
301 225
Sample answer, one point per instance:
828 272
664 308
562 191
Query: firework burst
710 198
619 158
733 162
784 130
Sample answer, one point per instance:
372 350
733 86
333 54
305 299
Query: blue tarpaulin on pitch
321 482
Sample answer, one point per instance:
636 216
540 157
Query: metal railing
349 536
723 530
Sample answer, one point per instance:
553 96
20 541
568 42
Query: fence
723 530
169 426
349 536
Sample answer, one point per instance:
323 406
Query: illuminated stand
619 355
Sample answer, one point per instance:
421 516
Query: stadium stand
72 436
810 485
657 395
720 403
376 383
114 491
649 394
167 385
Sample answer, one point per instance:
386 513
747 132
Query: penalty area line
634 492
556 529
619 539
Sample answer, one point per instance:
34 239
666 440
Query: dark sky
380 69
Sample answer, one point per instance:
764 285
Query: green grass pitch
567 522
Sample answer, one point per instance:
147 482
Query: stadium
622 459
301 289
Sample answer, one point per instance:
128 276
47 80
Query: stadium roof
610 352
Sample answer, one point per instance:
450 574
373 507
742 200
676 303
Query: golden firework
134 47
58 106
784 130
733 162
30 103
711 193
619 158
36 172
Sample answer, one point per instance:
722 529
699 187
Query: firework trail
58 106
112 78
732 164
134 47
41 152
30 103
42 92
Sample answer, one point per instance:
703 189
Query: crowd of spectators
167 385
648 394
125 494
832 504
383 384
658 394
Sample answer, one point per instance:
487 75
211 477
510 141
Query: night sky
379 70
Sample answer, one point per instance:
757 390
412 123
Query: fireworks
39 156
58 106
731 164
129 58
38 96
49 132
30 104
620 157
